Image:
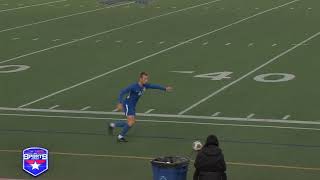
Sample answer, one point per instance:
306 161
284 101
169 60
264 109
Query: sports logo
35 160
163 178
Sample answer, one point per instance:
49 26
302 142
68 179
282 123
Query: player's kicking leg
125 127
130 113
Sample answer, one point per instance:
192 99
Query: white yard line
86 108
167 122
53 107
104 32
34 5
216 114
286 117
149 111
63 17
248 74
250 116
151 158
281 121
183 72
157 53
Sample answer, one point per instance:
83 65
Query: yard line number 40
270 77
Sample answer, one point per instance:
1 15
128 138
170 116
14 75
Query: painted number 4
217 76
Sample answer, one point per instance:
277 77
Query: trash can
170 168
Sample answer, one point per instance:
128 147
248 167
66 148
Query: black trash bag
170 161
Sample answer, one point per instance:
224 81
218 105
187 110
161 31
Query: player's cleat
111 129
121 140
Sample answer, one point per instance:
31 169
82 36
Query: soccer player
128 104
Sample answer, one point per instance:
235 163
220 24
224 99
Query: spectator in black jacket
210 164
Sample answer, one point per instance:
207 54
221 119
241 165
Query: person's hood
211 148
212 140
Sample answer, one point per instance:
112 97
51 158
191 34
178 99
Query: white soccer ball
196 145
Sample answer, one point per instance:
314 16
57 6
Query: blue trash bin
170 168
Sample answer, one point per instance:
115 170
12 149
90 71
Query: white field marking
149 111
158 7
86 108
62 17
216 114
286 117
107 31
34 5
154 54
166 122
183 72
281 121
16 38
35 39
205 43
257 8
18 68
250 116
118 41
56 40
10 179
248 74
292 8
227 44
53 107
162 42
305 44
139 42
251 44
274 45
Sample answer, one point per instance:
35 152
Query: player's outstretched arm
156 86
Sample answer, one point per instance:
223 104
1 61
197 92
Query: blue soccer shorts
129 110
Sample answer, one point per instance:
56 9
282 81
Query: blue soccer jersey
134 92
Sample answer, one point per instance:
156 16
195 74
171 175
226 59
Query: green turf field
245 70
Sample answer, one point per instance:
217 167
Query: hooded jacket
210 163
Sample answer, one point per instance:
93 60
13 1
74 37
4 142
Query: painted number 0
13 68
278 77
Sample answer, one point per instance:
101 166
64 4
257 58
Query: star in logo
35 165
